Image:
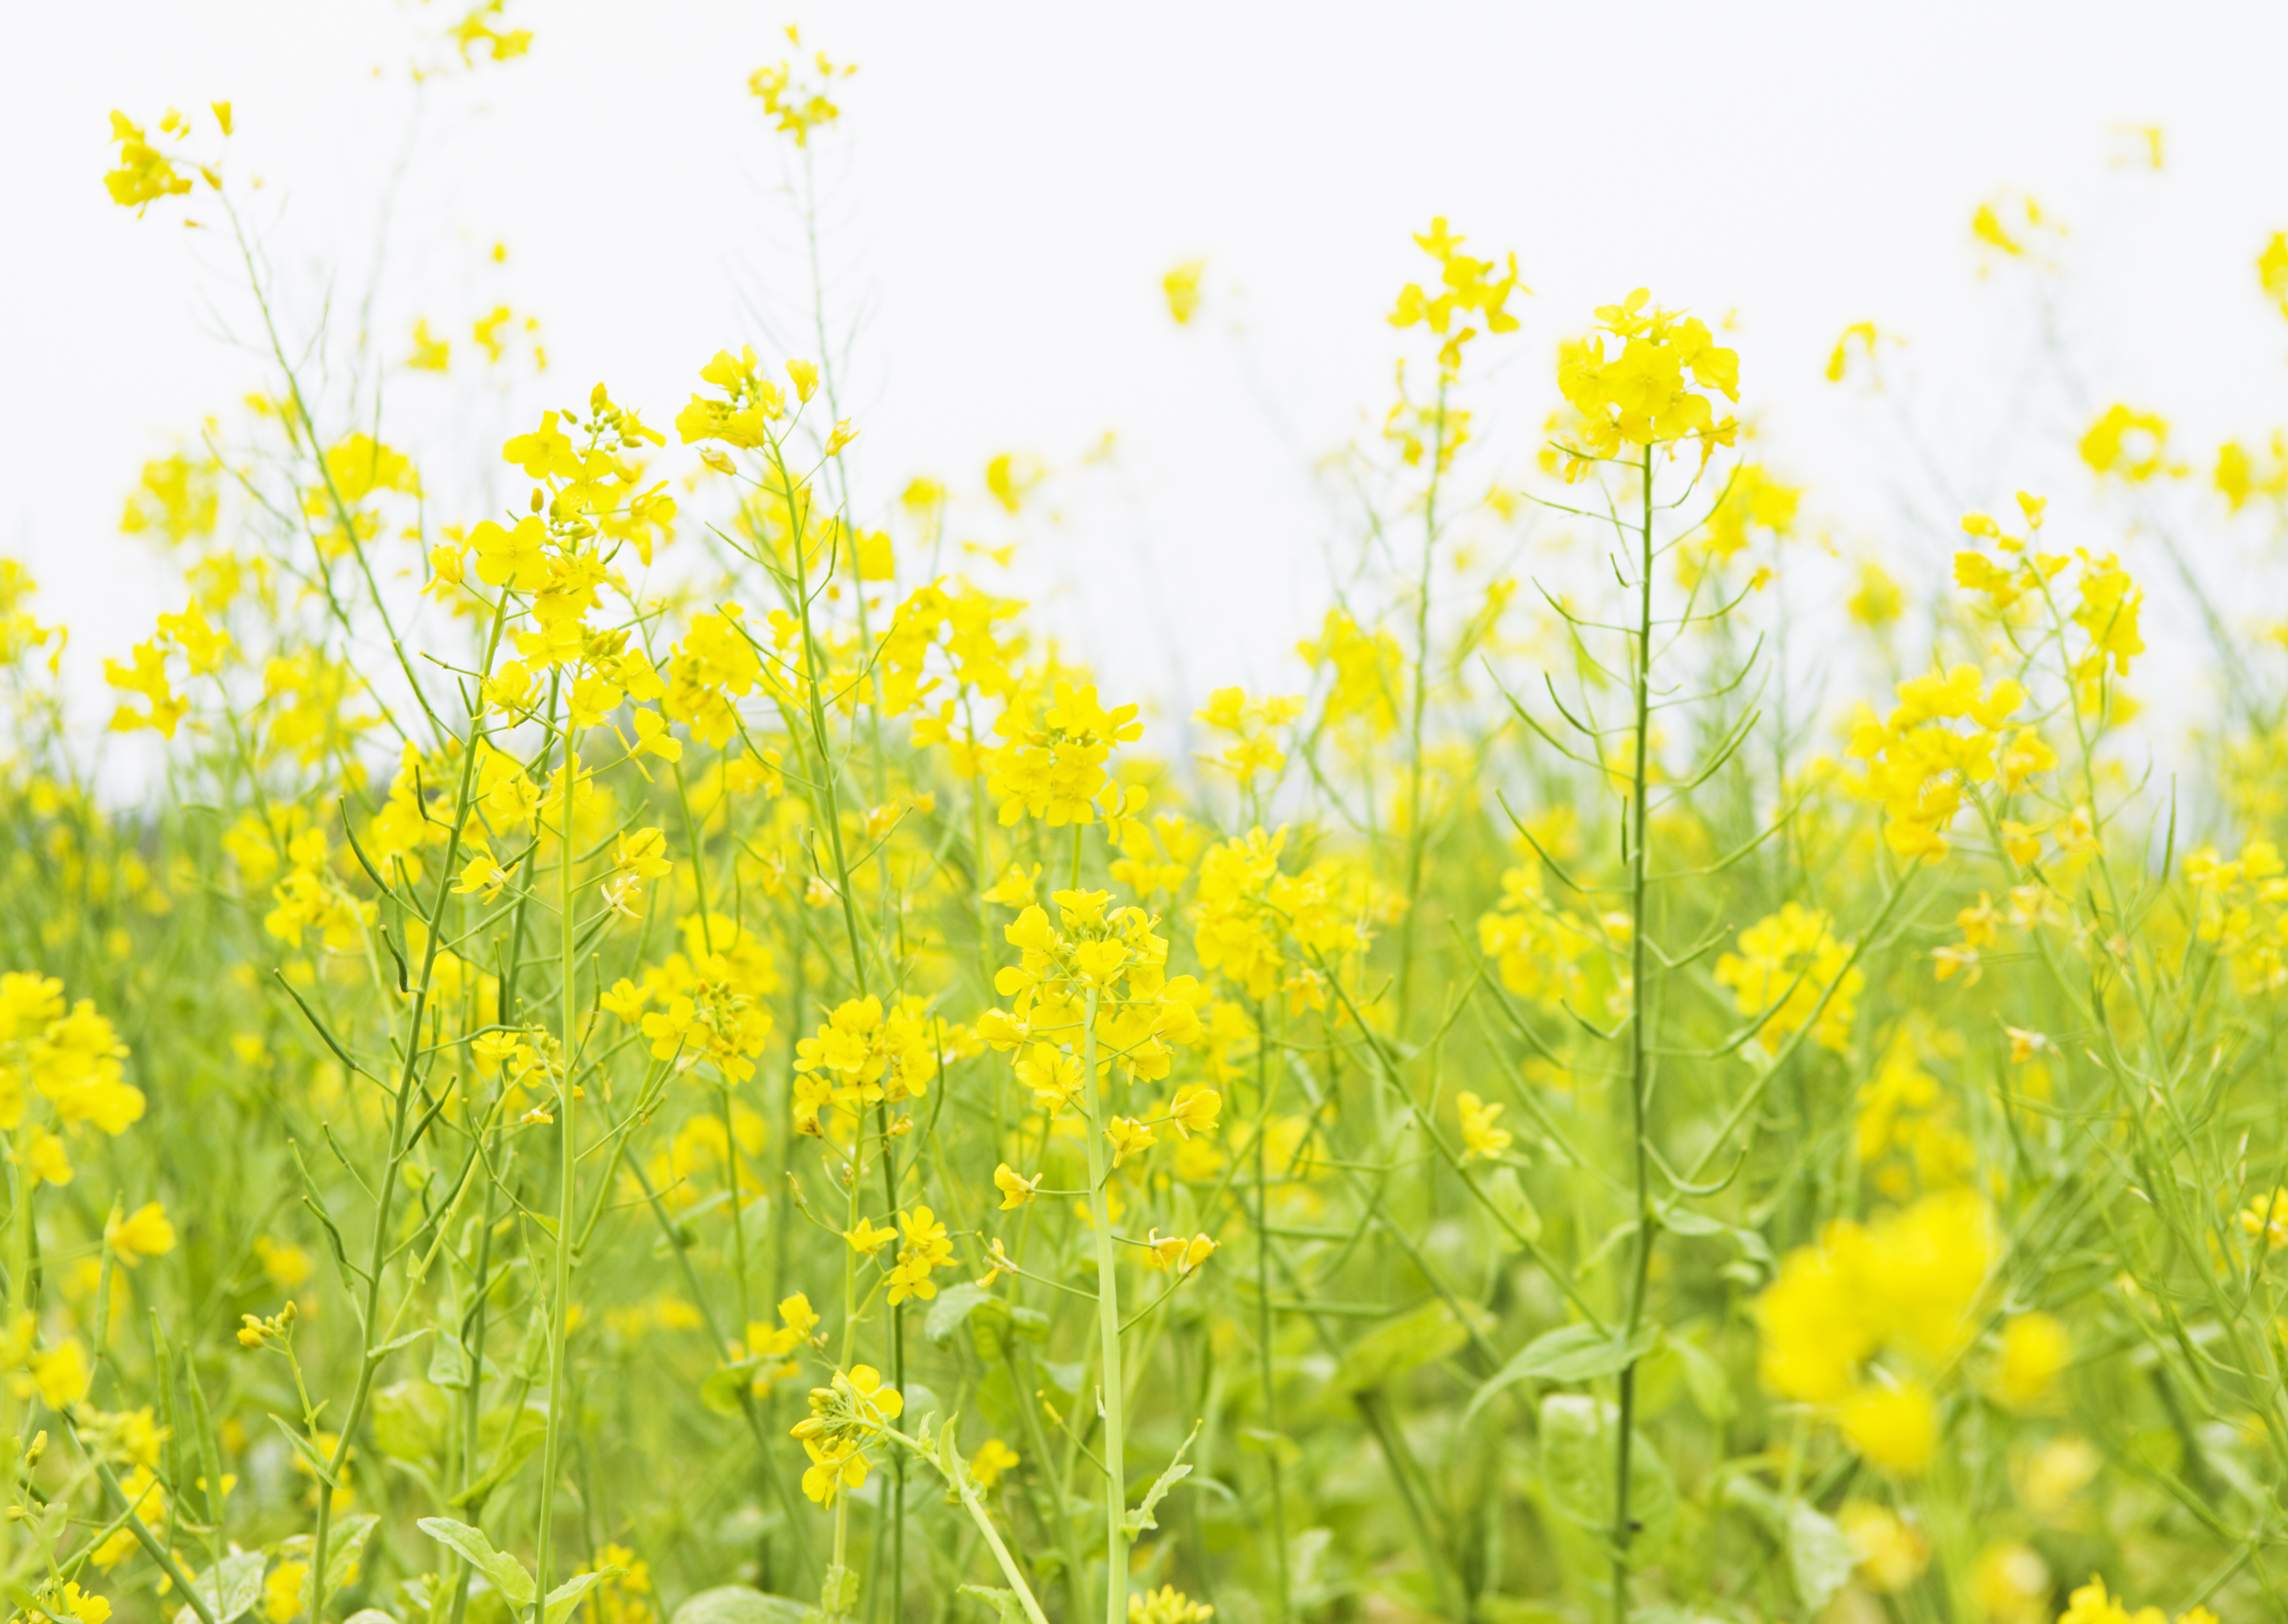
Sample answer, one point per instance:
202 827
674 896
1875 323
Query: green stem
1640 1054
1264 1321
1108 1306
559 1331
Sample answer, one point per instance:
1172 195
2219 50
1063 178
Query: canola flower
1494 1119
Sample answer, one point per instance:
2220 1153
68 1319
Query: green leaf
526 1428
409 1421
1137 1521
1270 1444
989 1316
1431 1332
448 1363
837 1592
343 1556
1578 1437
395 1343
506 1572
310 1457
1570 1353
950 1308
1705 1380
532 1354
368 1615
726 1385
1510 1200
1819 1556
567 1595
1007 1609
229 1588
738 1604
921 1404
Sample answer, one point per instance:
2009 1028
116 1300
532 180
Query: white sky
1014 179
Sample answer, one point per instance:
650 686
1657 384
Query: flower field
663 1051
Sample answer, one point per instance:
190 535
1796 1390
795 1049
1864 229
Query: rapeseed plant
635 1029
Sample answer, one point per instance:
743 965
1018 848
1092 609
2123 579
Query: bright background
1009 182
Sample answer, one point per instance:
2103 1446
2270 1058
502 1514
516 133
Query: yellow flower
1165 1252
145 1233
286 1265
926 1247
61 1373
145 174
1787 962
1182 286
798 1315
2126 445
1053 1076
867 1238
1889 1551
1166 1605
797 104
1195 1109
2267 1215
876 1402
1909 1281
1896 1428
2011 1584
1128 1138
430 353
50 1162
1479 1137
993 1457
282 1591
835 1465
1014 888
2035 1347
1015 1191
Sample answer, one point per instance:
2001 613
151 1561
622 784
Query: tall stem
1640 1050
1415 851
1264 1326
568 1168
1108 1314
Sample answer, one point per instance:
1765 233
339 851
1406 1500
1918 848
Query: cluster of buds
844 1416
256 1332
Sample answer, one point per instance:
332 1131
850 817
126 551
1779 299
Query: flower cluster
1052 766
1250 722
844 1416
1790 964
796 105
1091 950
710 998
2108 601
1466 287
1640 396
1537 946
864 1055
1244 903
1364 672
1904 1284
2241 912
2089 1604
1919 767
